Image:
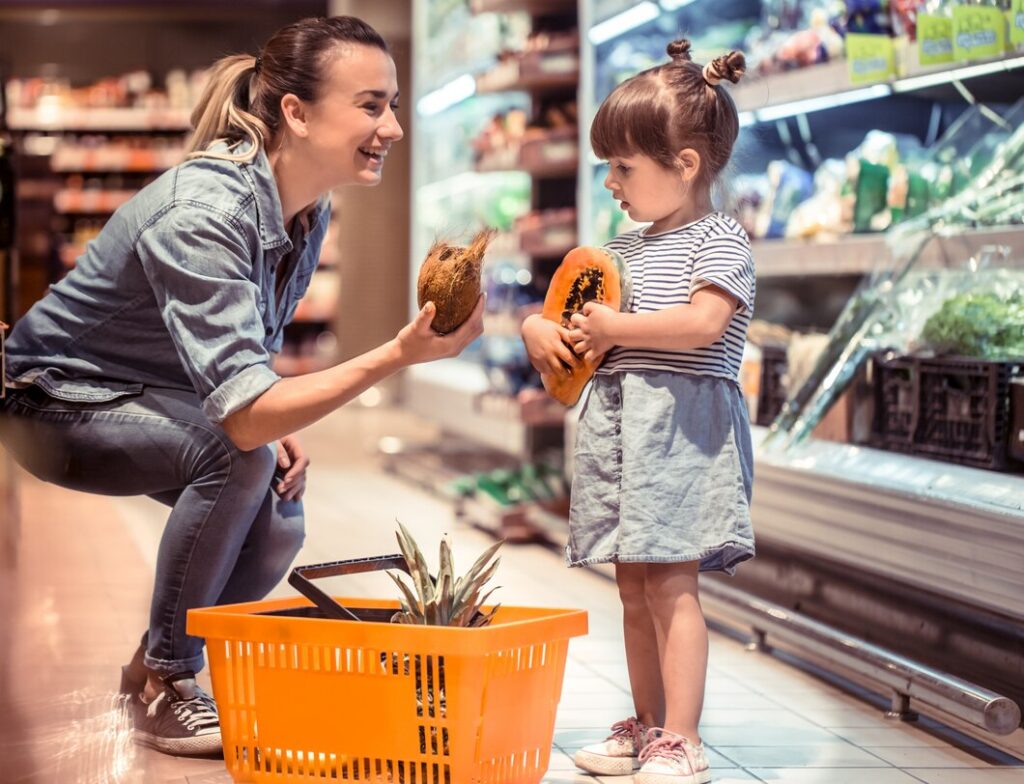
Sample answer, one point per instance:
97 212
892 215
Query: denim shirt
177 291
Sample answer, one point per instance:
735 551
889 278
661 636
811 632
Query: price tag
935 39
870 58
978 32
1017 22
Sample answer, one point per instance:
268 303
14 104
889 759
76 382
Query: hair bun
731 66
679 50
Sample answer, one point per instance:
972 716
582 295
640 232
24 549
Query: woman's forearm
294 403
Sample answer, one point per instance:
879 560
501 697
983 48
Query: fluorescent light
823 102
624 22
672 5
747 118
955 75
447 96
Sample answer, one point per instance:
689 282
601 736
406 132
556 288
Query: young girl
663 471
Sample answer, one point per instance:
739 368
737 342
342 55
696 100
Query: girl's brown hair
242 99
671 107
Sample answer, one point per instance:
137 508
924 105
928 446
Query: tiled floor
75 581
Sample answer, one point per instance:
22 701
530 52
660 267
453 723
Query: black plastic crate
772 394
948 408
896 392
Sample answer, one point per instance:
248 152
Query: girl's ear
293 112
689 164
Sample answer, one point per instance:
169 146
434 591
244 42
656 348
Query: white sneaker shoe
618 754
671 759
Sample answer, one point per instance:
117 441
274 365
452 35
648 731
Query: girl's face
650 193
353 125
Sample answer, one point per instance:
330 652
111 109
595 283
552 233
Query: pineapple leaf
409 603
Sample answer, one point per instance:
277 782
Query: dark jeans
228 538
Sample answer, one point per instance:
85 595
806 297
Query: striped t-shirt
667 269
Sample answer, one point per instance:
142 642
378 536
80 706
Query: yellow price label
1017 22
978 32
935 39
870 58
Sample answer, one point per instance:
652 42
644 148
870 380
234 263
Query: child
663 470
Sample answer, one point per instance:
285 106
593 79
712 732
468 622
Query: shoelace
194 713
631 727
673 747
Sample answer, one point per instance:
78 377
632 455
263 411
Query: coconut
450 278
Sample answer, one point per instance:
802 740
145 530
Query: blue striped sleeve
724 260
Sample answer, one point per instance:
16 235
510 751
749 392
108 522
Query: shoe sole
701 777
181 747
605 765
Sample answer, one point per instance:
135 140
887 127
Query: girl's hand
591 333
418 342
290 477
547 346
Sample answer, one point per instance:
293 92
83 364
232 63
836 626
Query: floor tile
946 757
832 776
820 755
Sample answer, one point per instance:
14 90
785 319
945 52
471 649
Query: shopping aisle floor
76 577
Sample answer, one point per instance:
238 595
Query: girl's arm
679 328
294 403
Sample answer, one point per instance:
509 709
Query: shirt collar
260 177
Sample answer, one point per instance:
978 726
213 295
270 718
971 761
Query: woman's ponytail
222 113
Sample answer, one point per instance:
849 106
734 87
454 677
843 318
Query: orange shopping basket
314 689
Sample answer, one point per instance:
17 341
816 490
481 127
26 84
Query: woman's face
353 125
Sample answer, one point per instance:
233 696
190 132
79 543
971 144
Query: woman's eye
394 107
372 107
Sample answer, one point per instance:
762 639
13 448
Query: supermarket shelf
566 168
536 83
113 160
453 393
781 95
949 529
535 7
861 253
76 201
65 119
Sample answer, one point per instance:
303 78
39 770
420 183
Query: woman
147 369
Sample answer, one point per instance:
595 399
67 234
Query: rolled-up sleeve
199 266
724 260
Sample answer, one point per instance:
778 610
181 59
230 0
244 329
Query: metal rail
903 677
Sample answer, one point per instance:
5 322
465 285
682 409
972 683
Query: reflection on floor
75 579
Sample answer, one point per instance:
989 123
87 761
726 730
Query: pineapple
444 600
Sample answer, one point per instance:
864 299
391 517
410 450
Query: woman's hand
547 346
418 342
591 333
292 463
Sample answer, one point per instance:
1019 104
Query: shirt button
270 331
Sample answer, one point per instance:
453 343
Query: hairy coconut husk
450 278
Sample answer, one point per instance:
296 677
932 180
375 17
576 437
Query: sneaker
671 759
618 754
182 720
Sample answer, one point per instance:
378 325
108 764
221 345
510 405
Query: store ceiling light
672 5
639 14
956 75
808 105
456 91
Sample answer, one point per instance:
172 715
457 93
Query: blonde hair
219 116
242 99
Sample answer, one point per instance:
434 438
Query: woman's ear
689 163
293 112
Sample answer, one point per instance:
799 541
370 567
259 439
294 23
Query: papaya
586 274
450 278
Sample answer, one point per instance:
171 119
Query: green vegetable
987 326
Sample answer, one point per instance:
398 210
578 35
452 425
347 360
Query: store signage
870 58
1017 22
935 39
978 31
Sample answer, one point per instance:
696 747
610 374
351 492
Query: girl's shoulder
719 224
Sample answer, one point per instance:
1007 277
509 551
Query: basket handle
301 576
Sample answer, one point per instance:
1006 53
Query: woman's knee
252 470
287 528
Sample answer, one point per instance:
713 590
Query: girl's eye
622 168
